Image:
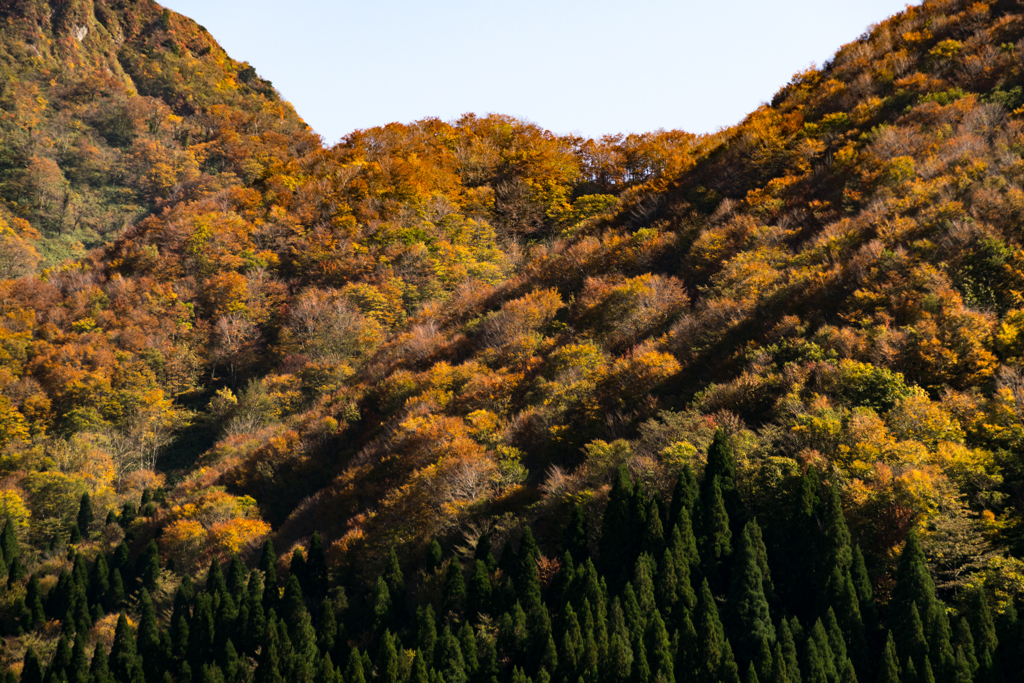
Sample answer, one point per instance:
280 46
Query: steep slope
111 112
835 281
443 327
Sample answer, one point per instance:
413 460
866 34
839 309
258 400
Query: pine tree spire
888 669
619 542
748 607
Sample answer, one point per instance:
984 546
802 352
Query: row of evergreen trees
692 589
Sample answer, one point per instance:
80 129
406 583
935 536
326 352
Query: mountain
748 403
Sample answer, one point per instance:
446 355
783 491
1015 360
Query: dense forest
471 402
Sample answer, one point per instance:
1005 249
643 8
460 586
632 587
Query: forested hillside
468 401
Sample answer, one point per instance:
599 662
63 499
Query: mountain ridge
449 331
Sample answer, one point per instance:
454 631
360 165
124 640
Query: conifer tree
327 626
78 670
393 573
925 675
179 617
909 673
124 662
387 660
575 535
60 661
986 642
215 583
710 635
488 660
381 605
528 552
300 625
468 645
965 642
449 659
85 515
34 602
643 582
79 573
435 556
888 669
638 515
641 667
148 638
571 650
514 634
779 674
761 552
426 634
237 580
420 672
636 619
12 554
147 567
268 667
297 566
483 552
836 639
683 543
80 616
99 669
99 579
667 585
729 671
31 671
914 643
715 537
815 663
230 664
914 587
747 604
939 635
961 672
316 569
618 538
540 639
479 590
789 652
843 597
354 672
1009 662
58 601
798 538
454 588
268 565
659 651
115 594
201 631
620 658
721 463
120 561
211 673
590 660
292 604
848 673
838 550
684 496
653 532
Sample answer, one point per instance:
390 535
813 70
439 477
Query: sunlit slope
444 323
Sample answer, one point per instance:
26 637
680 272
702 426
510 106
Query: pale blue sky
590 67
